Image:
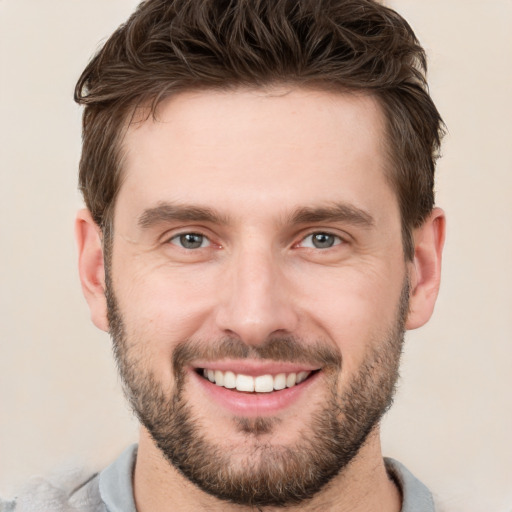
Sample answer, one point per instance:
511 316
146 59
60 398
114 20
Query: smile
254 384
254 388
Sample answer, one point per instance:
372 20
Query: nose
256 301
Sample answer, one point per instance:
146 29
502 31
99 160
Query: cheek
165 305
354 309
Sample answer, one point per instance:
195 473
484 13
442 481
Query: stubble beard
265 474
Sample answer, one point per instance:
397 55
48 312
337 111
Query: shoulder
86 497
70 494
77 491
7 506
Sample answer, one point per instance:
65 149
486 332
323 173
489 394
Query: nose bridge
256 304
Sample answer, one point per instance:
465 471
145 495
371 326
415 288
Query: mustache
282 348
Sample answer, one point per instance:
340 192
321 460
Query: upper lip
255 368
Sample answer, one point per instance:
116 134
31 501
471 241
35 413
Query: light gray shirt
112 491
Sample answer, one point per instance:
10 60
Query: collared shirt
112 490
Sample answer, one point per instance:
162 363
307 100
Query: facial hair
267 475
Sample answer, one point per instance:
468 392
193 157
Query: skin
254 158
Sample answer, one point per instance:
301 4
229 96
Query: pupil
323 240
191 240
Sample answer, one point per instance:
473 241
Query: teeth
264 384
219 378
244 383
280 381
229 380
260 384
301 377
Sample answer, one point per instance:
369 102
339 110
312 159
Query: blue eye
190 240
321 240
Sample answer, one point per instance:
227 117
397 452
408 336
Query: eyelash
337 239
178 240
180 236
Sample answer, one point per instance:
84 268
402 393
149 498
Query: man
260 230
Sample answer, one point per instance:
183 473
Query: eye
190 241
320 240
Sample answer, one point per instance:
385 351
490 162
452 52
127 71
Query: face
257 286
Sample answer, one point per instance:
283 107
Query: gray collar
415 496
116 489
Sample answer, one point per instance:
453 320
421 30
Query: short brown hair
168 46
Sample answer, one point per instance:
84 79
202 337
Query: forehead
270 147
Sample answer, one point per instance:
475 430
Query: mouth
252 389
265 383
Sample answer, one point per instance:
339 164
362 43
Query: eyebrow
168 212
338 212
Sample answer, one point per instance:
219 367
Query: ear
91 267
425 270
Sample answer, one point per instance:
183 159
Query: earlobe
425 270
91 267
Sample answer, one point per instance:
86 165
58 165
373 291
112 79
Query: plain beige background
60 402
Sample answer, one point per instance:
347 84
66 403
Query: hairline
142 109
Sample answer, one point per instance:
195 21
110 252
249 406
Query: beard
262 473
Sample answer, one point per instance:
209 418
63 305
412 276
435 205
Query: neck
363 485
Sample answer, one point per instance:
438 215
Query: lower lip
255 404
